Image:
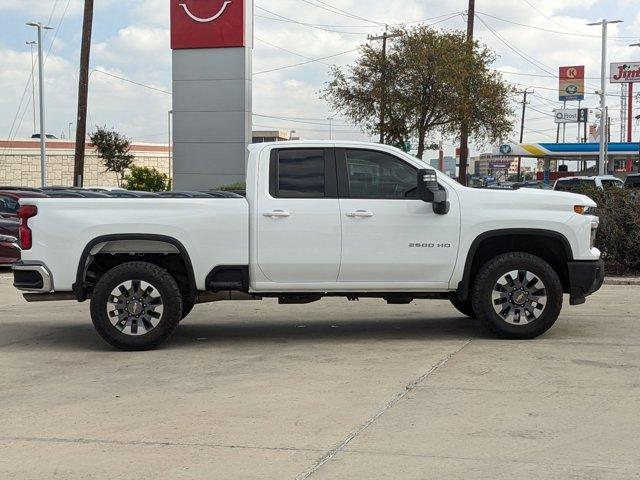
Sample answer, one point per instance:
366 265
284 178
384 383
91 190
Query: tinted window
8 205
574 184
611 183
300 174
378 175
632 182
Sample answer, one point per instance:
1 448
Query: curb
622 281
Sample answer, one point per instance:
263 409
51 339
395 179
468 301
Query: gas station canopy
566 151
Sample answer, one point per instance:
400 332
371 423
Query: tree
426 75
146 179
113 149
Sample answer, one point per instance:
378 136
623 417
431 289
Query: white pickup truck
320 219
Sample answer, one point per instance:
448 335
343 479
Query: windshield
574 184
632 182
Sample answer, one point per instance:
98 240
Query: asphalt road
331 390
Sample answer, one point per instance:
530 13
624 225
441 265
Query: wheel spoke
519 297
135 307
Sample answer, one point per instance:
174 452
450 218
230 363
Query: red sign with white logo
207 24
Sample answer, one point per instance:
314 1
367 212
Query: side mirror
430 192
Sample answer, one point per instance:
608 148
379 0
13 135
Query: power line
286 50
310 25
548 30
549 18
339 11
284 67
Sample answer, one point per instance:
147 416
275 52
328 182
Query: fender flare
463 286
79 288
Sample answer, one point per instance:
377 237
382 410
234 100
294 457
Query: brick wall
22 168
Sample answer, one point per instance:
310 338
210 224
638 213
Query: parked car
321 219
632 181
9 250
186 195
9 226
9 201
576 184
64 194
131 194
21 189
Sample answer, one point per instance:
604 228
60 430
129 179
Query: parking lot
331 390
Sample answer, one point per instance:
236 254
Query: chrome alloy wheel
519 297
135 307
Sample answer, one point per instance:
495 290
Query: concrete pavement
330 390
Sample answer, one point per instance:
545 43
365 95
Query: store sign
571 83
628 72
571 115
207 24
500 163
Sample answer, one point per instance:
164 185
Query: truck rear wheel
517 296
465 308
136 306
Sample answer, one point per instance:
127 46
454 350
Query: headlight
595 223
583 210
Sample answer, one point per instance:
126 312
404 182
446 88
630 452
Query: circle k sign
207 24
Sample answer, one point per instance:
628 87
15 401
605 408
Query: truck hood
528 198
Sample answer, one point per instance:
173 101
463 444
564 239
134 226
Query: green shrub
618 237
146 179
240 186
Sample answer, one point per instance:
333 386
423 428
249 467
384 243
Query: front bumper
585 278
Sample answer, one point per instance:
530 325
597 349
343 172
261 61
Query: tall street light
602 164
43 144
33 83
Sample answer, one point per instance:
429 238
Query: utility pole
43 134
602 161
524 111
83 93
33 83
464 127
383 79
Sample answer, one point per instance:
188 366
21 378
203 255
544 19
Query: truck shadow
199 332
450 328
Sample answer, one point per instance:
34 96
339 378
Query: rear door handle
360 214
277 214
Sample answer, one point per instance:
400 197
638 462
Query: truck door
299 232
388 234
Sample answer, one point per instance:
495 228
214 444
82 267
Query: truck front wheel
517 296
136 306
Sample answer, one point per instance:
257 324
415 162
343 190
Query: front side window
378 175
299 173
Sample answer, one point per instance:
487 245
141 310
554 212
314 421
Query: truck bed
213 231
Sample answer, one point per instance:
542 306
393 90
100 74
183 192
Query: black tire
465 308
163 286
486 286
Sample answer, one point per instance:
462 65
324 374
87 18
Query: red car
9 201
9 247
9 250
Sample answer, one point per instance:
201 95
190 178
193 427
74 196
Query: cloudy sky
131 40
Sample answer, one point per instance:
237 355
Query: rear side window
298 173
611 183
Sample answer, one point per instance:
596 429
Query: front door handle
277 214
360 214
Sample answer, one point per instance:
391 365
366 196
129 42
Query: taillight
25 212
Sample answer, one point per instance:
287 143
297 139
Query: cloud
131 40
